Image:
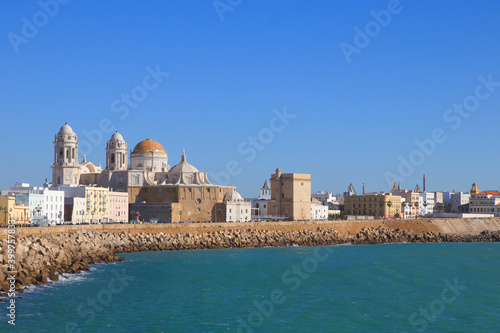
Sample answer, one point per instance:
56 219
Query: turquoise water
374 288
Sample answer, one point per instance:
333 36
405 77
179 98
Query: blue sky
348 121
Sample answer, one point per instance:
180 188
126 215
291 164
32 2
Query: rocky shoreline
41 259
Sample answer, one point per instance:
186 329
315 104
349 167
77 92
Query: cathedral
155 191
148 165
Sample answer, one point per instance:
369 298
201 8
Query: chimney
424 182
363 188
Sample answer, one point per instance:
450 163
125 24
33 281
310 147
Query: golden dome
147 146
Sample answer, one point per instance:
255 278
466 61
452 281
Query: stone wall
447 226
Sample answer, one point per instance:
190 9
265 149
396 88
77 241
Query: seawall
445 226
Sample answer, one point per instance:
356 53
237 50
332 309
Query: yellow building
290 196
97 204
374 204
9 209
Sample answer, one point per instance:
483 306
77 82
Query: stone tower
290 195
116 153
65 170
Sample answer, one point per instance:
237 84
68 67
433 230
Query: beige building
375 204
118 207
291 195
485 202
74 209
409 201
191 196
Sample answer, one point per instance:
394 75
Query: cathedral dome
66 129
116 137
148 146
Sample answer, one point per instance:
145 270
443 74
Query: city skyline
347 92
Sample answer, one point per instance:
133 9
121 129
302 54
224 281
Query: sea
445 287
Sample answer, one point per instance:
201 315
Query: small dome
183 166
66 130
233 196
116 137
148 146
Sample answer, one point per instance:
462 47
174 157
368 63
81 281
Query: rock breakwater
39 259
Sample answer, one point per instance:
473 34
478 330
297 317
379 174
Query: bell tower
265 191
65 170
116 153
474 190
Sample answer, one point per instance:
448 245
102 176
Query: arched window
112 158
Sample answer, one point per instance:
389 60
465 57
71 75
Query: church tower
65 170
474 190
116 153
265 191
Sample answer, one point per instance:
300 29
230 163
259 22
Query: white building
318 211
460 202
407 208
236 208
426 202
42 201
328 199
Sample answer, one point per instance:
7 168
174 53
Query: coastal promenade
418 226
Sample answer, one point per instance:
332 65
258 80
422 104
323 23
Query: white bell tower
65 170
116 153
